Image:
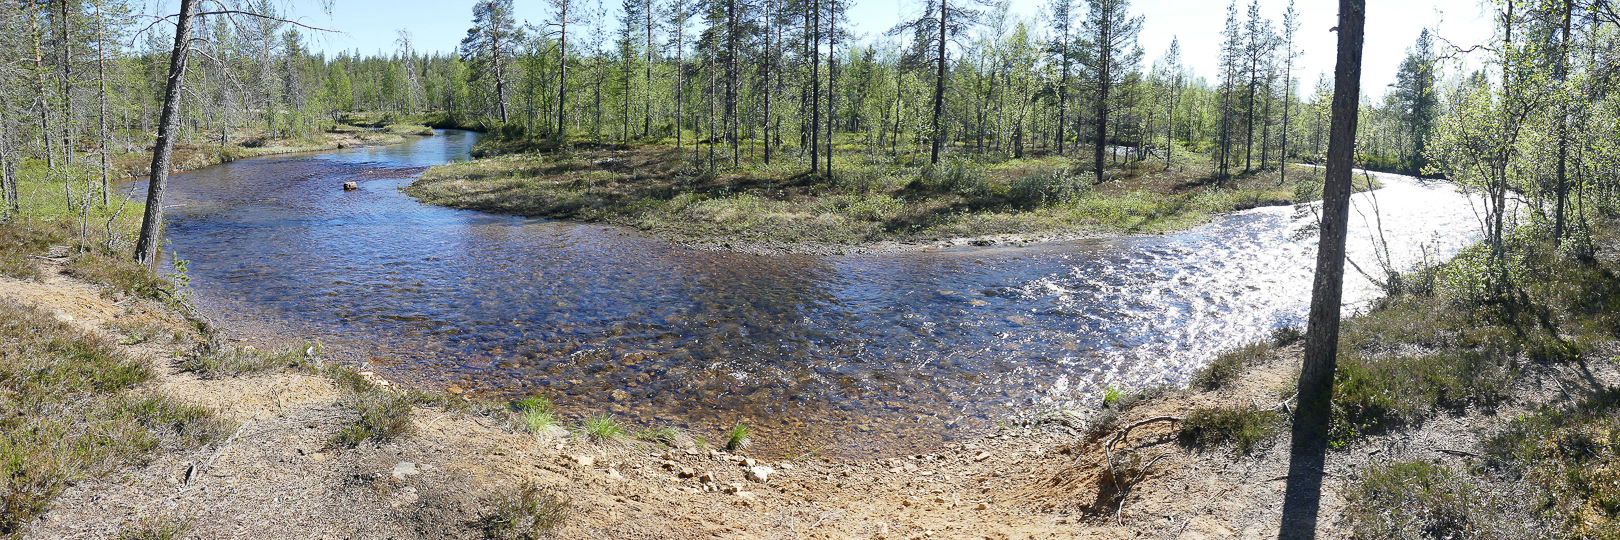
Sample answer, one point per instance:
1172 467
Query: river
850 354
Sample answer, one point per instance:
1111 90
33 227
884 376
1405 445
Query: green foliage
21 244
528 512
1058 186
1112 396
738 437
667 436
1244 427
381 417
602 429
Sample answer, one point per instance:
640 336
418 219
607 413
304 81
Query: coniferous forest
779 130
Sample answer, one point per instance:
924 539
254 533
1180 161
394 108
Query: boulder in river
350 186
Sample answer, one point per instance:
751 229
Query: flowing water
852 354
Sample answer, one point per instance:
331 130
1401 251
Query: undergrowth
526 513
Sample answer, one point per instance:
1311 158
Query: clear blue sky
370 26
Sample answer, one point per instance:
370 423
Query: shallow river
852 354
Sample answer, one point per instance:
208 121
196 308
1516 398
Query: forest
774 122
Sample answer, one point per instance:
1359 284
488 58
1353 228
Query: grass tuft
526 513
155 529
602 429
738 437
1395 499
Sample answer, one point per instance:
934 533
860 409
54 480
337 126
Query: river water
852 354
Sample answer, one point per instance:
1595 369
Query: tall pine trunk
146 246
1322 333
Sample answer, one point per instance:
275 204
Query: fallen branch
1462 453
1126 431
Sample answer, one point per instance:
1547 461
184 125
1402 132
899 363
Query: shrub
155 529
1395 499
1244 427
528 512
382 416
1227 366
1047 188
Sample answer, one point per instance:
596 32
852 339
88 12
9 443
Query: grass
1394 499
1573 454
870 197
233 362
527 513
1227 366
74 411
155 529
535 415
738 437
381 415
667 436
1244 427
22 244
602 429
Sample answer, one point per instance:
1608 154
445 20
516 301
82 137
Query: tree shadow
1302 499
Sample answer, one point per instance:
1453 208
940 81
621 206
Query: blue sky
371 25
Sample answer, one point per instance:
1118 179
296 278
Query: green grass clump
381 417
1112 396
601 429
1227 366
232 362
1244 427
667 436
526 513
535 415
72 412
738 437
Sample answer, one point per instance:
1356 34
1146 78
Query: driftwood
1108 451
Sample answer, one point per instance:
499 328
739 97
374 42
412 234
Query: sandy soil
275 478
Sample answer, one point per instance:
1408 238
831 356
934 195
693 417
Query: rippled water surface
855 354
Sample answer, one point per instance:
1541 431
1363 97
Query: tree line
787 83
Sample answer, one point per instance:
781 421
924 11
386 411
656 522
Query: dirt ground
276 478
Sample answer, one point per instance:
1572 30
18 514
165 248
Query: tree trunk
562 77
815 86
101 97
146 246
1322 334
1102 103
939 84
832 76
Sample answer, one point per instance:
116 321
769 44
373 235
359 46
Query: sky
1392 26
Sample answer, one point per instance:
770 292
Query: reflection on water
857 353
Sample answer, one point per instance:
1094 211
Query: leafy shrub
1047 188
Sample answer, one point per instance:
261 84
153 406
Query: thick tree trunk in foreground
146 247
1322 334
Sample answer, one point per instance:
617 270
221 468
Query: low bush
1396 500
1244 427
1227 366
231 362
525 513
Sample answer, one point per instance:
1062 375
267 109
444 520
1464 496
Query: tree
1231 61
1290 28
1109 34
941 20
1322 331
146 245
1062 15
490 44
1171 77
1415 92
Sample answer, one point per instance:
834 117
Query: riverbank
1455 414
191 156
866 204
